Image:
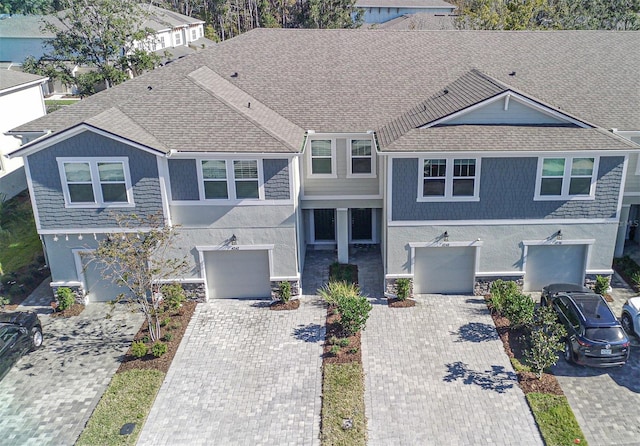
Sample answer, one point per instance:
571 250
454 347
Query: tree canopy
104 35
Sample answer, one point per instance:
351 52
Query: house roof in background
507 138
418 22
427 4
358 80
11 79
161 19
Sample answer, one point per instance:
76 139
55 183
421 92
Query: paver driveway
243 375
437 374
48 396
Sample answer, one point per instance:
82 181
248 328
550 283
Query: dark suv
594 335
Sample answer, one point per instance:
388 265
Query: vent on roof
513 73
149 88
234 74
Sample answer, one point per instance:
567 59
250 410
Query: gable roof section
10 79
507 138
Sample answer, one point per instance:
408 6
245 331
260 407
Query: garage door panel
238 274
447 270
100 287
554 264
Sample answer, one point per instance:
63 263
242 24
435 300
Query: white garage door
448 270
554 264
99 287
237 274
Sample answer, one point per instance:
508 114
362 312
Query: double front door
324 225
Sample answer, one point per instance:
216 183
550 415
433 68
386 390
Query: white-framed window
223 179
449 179
96 182
322 158
162 43
360 158
194 34
178 38
566 178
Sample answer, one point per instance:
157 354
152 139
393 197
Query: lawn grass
55 104
343 398
19 242
555 419
128 399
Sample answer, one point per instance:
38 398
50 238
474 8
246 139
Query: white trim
545 221
398 276
340 197
77 260
553 242
34 205
101 231
163 178
68 283
441 244
623 184
46 141
173 154
372 157
599 271
566 179
500 273
517 97
24 86
232 203
506 153
181 280
334 167
448 180
96 183
283 278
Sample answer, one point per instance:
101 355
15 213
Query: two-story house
21 100
382 11
467 156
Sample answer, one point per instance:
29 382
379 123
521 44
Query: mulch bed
512 340
279 305
400 303
73 310
179 320
350 353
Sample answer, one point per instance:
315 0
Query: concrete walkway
48 396
245 375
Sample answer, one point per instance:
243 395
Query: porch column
622 230
342 236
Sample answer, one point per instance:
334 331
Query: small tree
137 260
284 291
545 340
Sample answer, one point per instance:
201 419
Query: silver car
631 316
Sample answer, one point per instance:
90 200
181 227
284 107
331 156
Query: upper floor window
322 156
95 182
566 178
226 179
361 159
449 179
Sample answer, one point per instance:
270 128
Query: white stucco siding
501 250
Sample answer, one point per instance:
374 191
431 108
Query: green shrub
518 308
145 339
602 285
4 301
403 288
173 296
165 321
334 291
546 319
543 352
334 350
66 298
159 349
354 312
500 291
167 337
635 278
285 291
139 349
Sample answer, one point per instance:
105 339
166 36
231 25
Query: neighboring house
176 35
419 22
466 156
381 11
21 100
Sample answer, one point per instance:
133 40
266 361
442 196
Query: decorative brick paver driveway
437 374
243 375
48 396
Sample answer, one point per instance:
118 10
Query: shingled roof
359 80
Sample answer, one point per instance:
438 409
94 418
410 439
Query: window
322 157
178 38
231 179
95 182
162 44
214 175
566 178
361 157
193 34
449 179
246 178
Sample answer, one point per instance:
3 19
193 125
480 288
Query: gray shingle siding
507 188
47 185
276 179
184 179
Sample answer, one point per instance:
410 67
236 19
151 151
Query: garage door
447 270
99 287
237 274
554 264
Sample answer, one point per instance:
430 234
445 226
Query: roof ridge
254 111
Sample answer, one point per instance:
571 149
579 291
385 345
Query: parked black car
594 334
20 332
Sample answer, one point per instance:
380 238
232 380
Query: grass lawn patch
55 104
343 399
20 244
128 399
555 419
